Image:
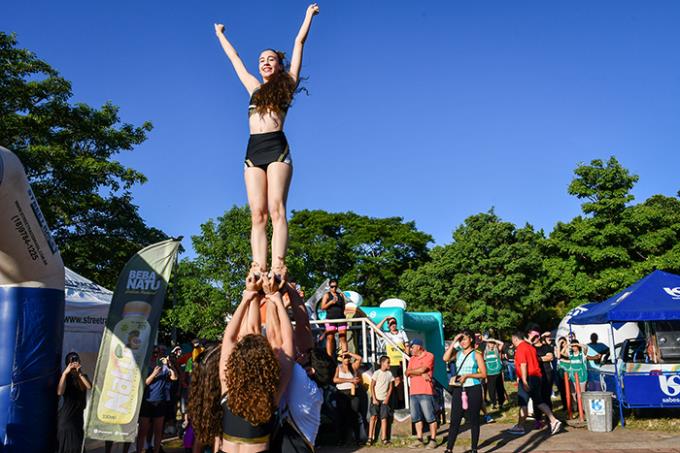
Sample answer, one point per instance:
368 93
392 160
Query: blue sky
429 110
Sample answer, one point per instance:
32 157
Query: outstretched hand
269 284
313 9
219 28
254 281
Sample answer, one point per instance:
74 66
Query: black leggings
349 407
474 395
496 389
546 389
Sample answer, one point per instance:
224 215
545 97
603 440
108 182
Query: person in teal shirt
573 361
494 374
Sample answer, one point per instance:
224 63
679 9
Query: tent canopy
87 307
655 297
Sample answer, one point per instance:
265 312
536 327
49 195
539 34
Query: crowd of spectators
356 401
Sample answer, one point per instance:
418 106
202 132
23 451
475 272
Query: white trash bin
598 409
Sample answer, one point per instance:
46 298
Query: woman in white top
399 338
348 381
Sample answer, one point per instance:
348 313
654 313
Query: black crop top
239 430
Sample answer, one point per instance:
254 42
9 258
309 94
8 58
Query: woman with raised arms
268 162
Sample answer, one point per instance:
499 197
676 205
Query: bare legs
267 196
278 183
342 336
330 342
256 186
155 425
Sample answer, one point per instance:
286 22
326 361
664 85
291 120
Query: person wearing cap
420 373
400 339
73 386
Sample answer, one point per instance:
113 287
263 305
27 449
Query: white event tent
86 310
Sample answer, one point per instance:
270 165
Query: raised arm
284 348
61 387
451 352
247 79
326 301
304 340
231 333
357 361
296 59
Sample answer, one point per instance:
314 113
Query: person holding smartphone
73 386
156 400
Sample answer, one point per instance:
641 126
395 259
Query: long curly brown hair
253 378
275 95
204 397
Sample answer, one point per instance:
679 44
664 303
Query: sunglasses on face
333 286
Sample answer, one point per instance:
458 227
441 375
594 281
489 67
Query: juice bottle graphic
120 392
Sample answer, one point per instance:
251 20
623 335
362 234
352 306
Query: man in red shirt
421 387
529 382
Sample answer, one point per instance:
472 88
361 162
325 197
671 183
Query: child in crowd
381 391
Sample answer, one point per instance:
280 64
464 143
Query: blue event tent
655 297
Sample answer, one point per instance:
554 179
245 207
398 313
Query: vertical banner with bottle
125 350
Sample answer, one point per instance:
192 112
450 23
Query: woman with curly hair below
205 412
253 375
268 163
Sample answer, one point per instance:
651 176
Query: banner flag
131 326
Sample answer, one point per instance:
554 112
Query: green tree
655 227
366 254
485 279
67 150
613 244
209 287
606 186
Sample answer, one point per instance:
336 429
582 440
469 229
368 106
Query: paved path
494 439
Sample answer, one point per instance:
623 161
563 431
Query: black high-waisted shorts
263 149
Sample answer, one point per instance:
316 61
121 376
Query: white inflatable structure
353 297
393 303
628 330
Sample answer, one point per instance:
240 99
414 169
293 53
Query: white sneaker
555 427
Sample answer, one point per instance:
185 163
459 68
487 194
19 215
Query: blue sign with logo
652 390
